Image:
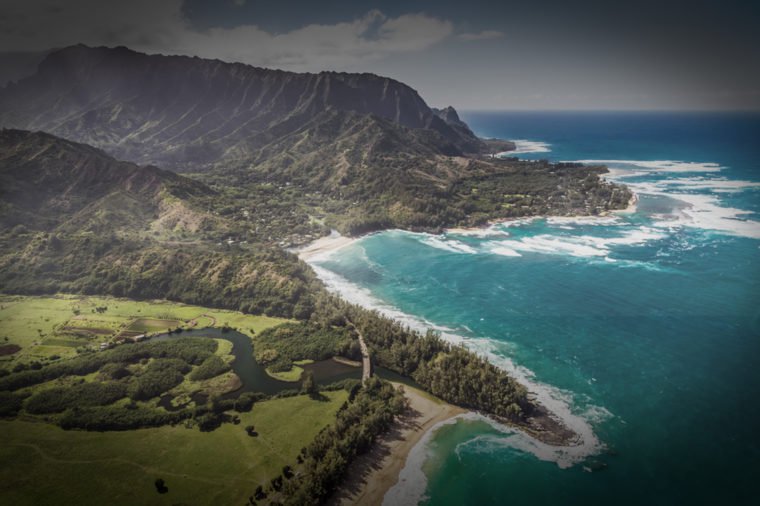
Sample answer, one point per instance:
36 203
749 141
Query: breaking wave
526 146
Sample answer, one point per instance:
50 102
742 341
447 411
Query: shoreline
324 245
373 474
546 425
632 207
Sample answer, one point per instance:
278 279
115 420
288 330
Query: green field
153 325
48 326
43 464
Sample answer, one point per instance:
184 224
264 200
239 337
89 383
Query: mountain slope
292 153
48 183
73 219
194 114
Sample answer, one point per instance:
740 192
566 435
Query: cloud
484 35
159 26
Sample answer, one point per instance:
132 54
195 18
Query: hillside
290 154
74 219
48 183
191 114
73 187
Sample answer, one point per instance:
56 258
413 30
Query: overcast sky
470 54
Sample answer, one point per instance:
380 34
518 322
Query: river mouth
254 377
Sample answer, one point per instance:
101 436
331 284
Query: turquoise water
642 330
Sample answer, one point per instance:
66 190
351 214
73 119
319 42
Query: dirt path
366 362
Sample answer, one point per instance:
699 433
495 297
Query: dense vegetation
55 400
188 350
139 371
253 280
212 366
280 346
10 403
452 373
159 376
322 464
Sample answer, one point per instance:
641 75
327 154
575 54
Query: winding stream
254 376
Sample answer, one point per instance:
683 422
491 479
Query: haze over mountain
50 183
191 114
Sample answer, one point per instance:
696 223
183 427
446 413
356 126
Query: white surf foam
451 245
557 401
702 210
490 231
717 185
573 245
412 482
657 165
526 146
705 212
583 220
504 251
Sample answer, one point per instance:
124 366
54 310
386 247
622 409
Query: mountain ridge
46 179
186 113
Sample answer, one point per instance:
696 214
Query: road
366 362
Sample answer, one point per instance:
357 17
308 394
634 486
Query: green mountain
74 219
288 152
191 114
47 183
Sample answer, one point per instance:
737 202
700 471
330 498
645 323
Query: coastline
376 472
549 424
324 245
631 208
633 205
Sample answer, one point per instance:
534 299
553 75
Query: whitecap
504 251
558 402
700 210
704 212
656 165
526 146
574 245
583 220
717 185
451 245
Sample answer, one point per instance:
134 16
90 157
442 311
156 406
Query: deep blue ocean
640 330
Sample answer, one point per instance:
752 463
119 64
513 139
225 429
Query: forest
320 467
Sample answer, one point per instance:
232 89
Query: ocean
640 330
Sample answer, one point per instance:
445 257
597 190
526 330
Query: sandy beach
324 245
374 473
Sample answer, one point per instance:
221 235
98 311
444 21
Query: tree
161 487
309 386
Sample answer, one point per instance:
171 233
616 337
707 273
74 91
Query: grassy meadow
43 464
41 328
